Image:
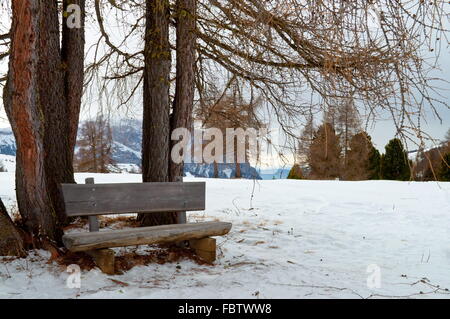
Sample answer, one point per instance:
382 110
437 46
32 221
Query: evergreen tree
374 164
295 172
444 173
394 163
359 156
324 153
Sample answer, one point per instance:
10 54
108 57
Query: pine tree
374 164
359 165
444 173
295 172
324 153
394 163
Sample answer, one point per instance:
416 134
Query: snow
8 162
227 172
292 239
126 168
126 149
7 137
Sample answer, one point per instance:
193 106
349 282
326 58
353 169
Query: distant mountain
127 142
7 142
224 170
124 154
127 137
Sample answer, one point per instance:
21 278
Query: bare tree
230 110
94 147
305 139
374 50
347 125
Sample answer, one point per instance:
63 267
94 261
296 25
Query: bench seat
144 235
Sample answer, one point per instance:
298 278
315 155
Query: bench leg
204 248
104 259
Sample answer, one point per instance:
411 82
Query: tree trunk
238 173
156 124
54 74
11 244
238 170
42 99
72 53
25 102
216 169
184 91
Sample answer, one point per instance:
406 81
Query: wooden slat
144 235
104 199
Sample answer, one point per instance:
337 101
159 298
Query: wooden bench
93 200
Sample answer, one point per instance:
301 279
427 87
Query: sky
381 131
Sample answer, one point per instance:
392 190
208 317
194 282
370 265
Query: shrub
295 172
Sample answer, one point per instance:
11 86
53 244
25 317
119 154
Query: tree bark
11 243
216 169
156 124
72 53
25 104
184 91
183 103
54 75
42 100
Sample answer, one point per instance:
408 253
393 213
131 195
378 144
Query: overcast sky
381 131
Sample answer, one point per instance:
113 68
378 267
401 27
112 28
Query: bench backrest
105 199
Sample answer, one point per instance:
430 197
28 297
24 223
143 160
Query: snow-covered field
292 239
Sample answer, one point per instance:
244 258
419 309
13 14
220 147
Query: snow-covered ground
8 162
292 239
